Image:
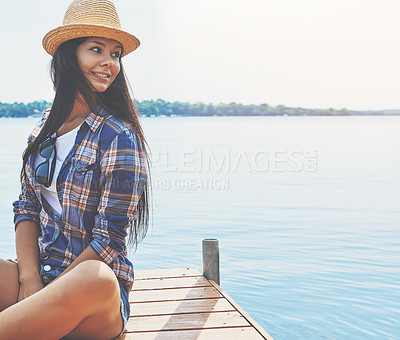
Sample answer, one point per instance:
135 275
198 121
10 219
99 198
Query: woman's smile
101 75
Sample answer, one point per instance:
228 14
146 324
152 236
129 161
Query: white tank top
64 144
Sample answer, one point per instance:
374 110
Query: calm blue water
306 210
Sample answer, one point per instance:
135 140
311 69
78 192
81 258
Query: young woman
83 187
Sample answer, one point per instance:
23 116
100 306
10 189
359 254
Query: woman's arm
122 181
27 231
26 241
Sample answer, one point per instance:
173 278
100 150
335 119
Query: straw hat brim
59 35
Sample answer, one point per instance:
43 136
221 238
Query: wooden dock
183 304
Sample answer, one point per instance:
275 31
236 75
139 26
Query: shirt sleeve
122 182
27 207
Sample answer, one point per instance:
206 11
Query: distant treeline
159 107
19 110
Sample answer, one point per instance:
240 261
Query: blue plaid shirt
99 186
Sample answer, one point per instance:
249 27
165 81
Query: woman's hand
29 287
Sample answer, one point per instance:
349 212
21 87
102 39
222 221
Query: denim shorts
49 273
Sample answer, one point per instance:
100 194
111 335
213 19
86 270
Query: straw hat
90 18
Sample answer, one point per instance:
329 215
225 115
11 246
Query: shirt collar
95 120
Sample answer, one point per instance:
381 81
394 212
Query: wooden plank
145 274
186 321
173 294
182 304
241 311
182 282
180 307
238 333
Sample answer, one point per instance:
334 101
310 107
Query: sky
300 53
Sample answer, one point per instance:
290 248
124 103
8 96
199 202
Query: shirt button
45 278
56 217
47 268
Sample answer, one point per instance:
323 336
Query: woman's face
99 60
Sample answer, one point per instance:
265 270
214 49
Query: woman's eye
115 55
96 49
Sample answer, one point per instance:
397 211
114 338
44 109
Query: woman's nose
107 62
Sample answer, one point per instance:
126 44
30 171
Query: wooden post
211 259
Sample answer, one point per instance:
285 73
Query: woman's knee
94 282
97 274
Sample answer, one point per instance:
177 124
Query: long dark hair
68 81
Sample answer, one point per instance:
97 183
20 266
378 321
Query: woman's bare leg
9 285
84 303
